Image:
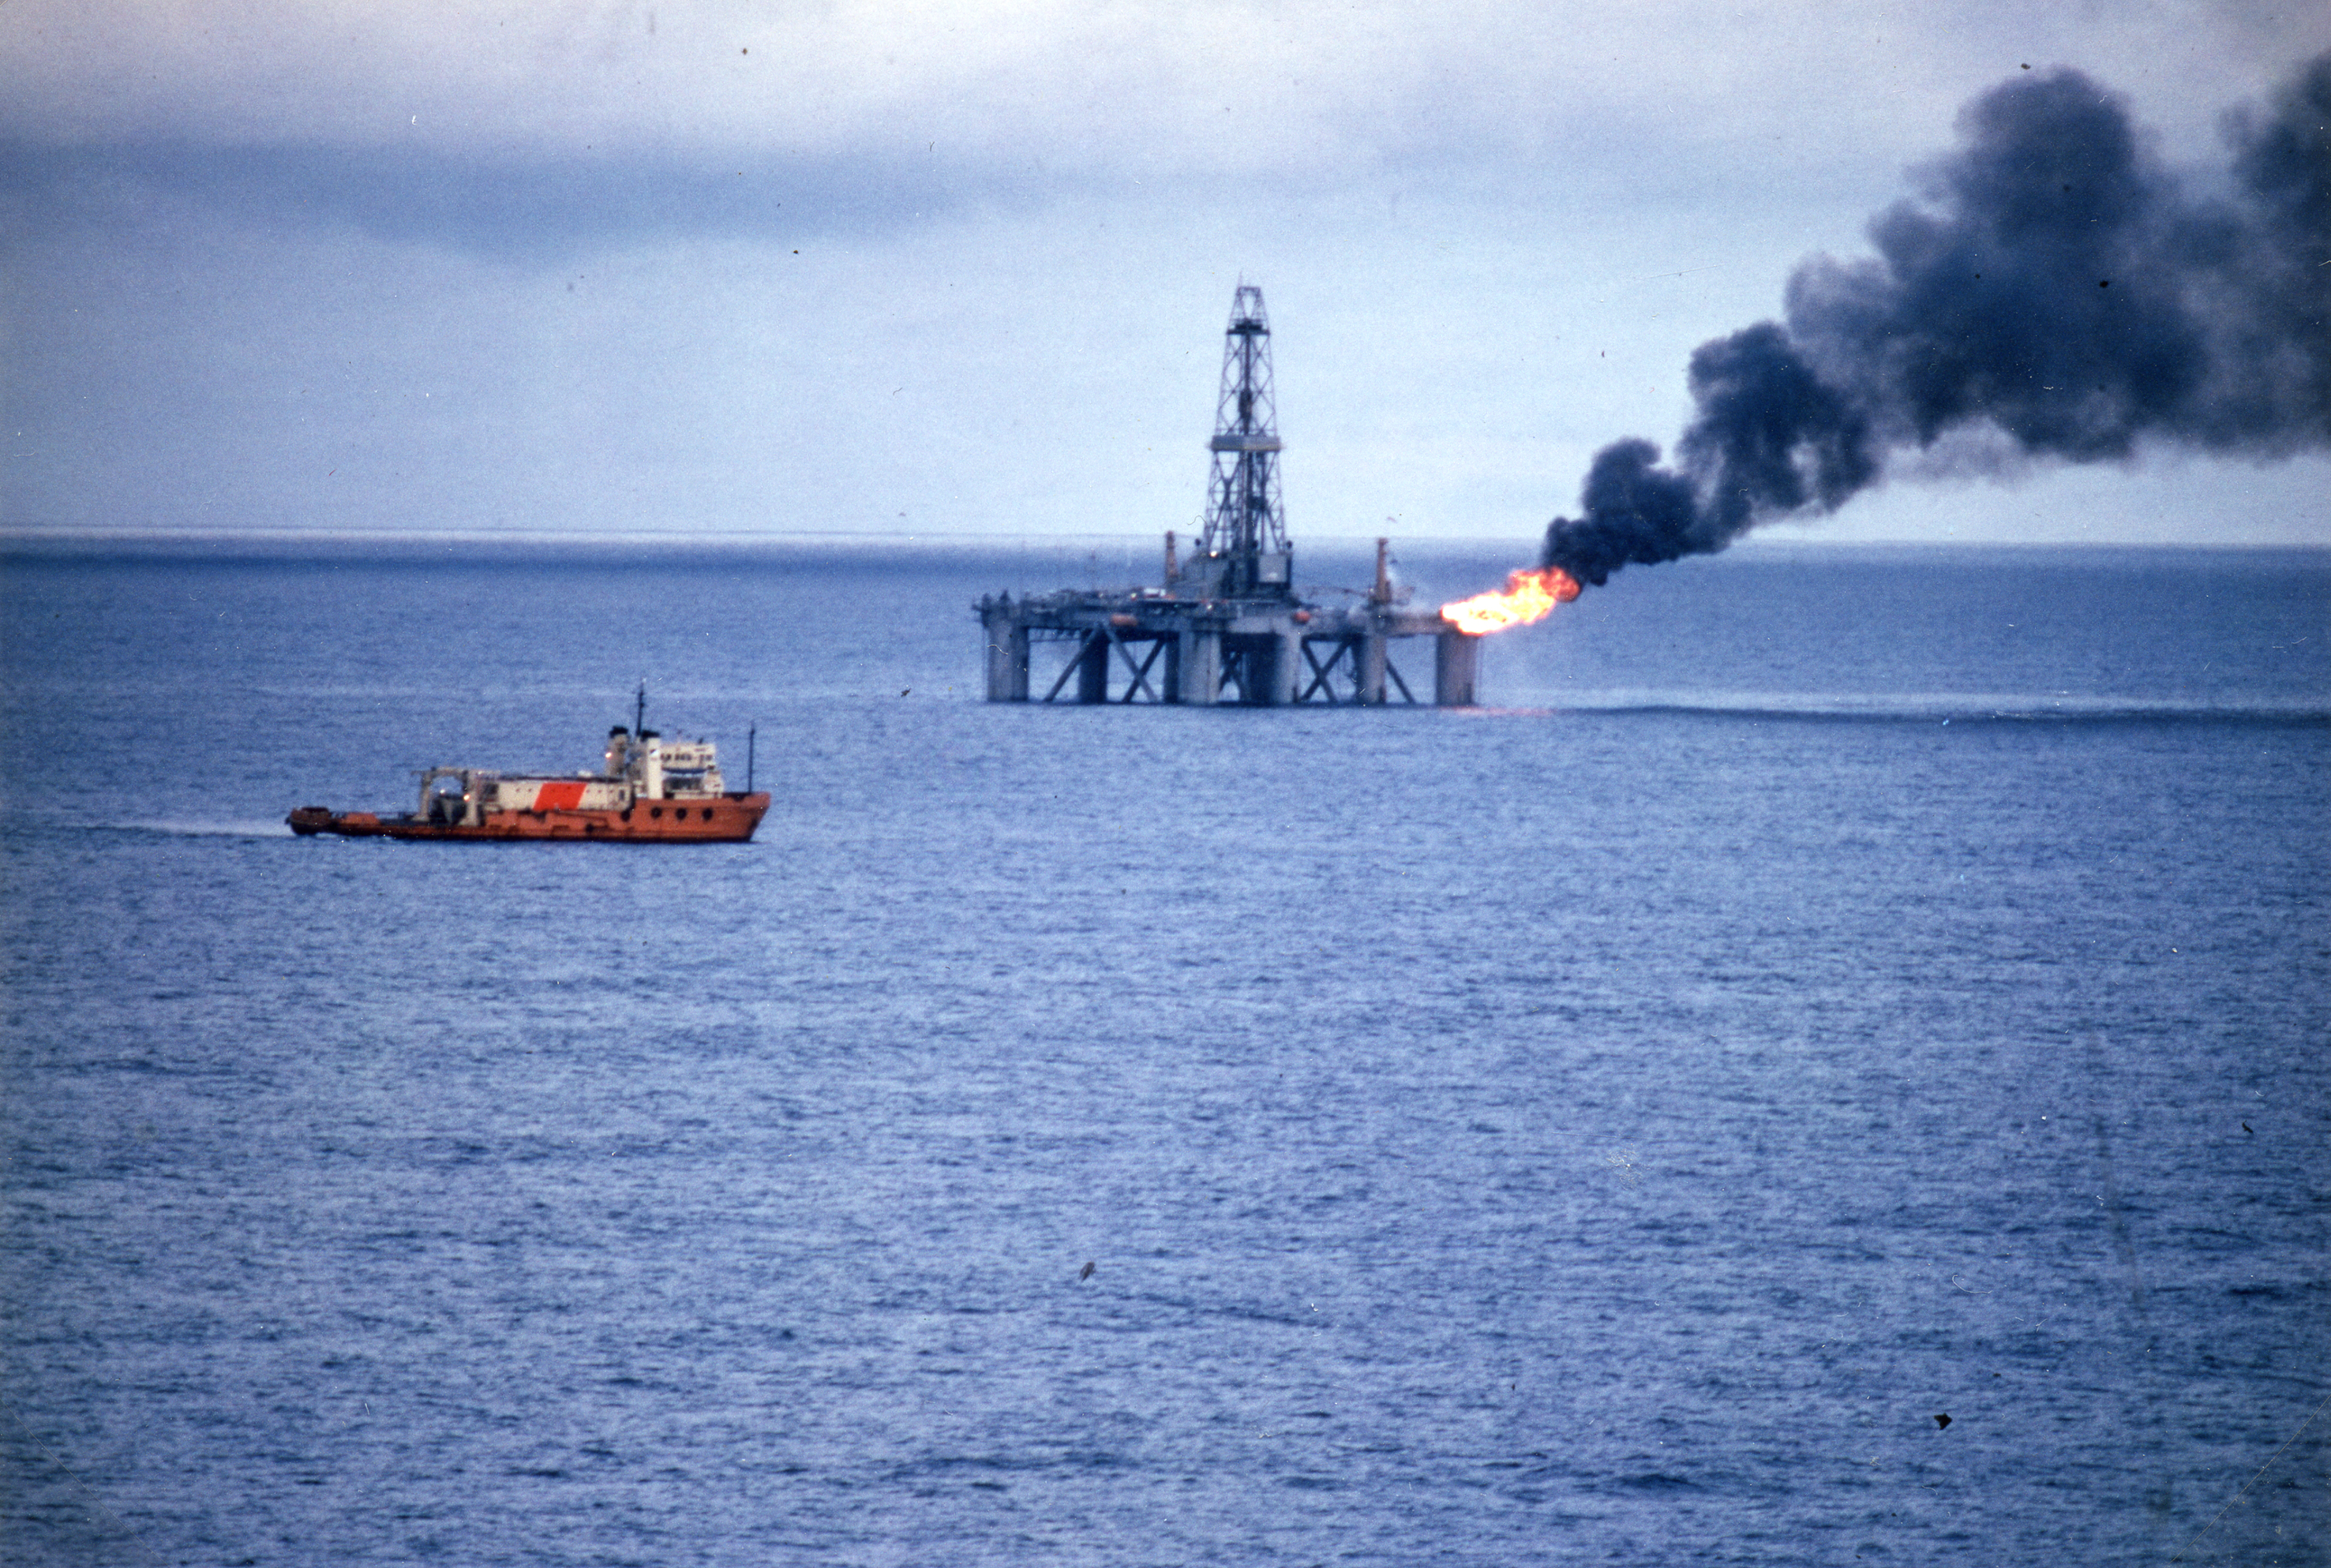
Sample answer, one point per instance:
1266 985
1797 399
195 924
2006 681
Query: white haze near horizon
962 270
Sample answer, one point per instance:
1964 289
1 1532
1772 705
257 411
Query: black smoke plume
2055 285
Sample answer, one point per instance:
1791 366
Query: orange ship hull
727 819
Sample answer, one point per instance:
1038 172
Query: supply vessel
649 791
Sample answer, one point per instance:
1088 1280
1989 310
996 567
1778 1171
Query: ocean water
1823 991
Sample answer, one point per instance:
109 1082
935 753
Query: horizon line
14 537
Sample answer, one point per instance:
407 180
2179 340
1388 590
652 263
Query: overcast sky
963 269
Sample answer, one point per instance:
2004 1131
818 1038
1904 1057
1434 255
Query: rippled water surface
1825 993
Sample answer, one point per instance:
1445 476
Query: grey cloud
532 208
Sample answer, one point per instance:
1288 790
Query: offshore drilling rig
1228 627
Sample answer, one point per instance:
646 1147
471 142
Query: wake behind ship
650 790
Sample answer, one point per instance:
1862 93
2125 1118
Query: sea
1826 1065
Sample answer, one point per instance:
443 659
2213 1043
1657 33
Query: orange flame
1526 596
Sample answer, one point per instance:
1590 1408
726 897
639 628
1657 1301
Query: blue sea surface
1822 992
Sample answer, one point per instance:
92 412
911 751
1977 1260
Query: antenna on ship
640 710
751 736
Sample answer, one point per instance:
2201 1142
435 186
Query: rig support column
1286 662
1372 653
1007 660
1093 668
1456 663
1202 666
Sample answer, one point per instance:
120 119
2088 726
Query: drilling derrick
1244 553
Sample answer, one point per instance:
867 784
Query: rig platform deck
1166 648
